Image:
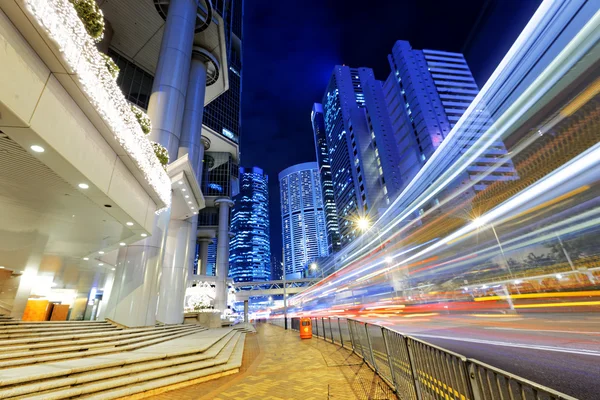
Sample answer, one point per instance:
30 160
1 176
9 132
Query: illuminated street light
363 223
389 260
313 266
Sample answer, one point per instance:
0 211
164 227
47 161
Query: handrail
418 370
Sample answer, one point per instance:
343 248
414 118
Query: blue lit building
427 92
323 160
363 155
302 217
250 249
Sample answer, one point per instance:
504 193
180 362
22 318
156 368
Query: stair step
79 347
73 336
230 361
79 354
202 341
88 382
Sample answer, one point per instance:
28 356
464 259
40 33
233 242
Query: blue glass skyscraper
250 249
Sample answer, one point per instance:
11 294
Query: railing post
473 382
330 330
340 330
350 329
413 368
371 348
324 330
389 357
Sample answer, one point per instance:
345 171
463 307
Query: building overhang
138 31
187 195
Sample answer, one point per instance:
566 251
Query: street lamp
314 267
479 224
363 223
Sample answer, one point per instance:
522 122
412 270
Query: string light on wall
59 20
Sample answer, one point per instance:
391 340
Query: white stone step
108 341
112 377
95 352
31 332
12 345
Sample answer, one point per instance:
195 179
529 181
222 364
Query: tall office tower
302 217
426 93
323 160
250 257
363 154
223 114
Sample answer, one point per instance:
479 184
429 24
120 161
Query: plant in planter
161 153
142 118
112 67
91 16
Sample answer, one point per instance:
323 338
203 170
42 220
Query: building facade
303 222
250 256
427 93
324 163
363 156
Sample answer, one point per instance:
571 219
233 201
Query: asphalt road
561 351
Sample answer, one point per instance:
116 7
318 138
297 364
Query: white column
174 271
29 276
222 254
167 101
134 294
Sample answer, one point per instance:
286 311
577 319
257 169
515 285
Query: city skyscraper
222 115
250 256
302 217
426 94
363 155
323 160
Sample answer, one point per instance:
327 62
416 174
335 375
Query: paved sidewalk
278 365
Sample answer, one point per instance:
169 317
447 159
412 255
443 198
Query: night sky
290 48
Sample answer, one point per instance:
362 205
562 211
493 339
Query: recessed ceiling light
181 182
100 252
1 266
85 258
193 208
122 244
144 234
129 223
187 196
112 269
101 264
37 149
189 202
183 190
84 186
195 212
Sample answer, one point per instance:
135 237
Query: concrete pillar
134 295
167 101
28 278
203 255
191 132
175 271
222 254
246 320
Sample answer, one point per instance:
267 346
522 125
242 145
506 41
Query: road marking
540 330
519 345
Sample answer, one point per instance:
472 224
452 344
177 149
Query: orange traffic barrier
305 328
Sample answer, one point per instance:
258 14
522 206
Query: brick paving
277 365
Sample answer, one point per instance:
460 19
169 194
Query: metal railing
418 370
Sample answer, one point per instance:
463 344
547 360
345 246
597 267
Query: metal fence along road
418 370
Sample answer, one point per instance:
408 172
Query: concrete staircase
97 360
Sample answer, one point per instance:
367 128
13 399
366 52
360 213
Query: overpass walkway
278 365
